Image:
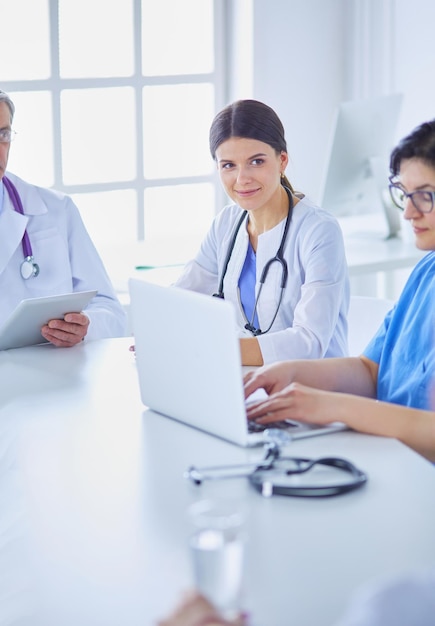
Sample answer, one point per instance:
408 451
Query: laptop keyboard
255 427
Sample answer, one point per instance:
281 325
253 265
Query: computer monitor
356 175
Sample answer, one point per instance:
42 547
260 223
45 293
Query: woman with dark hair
274 254
397 368
398 365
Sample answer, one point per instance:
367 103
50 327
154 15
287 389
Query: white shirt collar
2 193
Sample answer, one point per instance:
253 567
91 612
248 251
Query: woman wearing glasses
398 365
274 254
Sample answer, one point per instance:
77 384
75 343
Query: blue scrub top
247 282
404 346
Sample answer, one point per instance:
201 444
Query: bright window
177 37
96 38
114 109
98 135
176 141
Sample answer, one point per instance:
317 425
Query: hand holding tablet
23 327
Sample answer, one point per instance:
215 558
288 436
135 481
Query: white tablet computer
23 327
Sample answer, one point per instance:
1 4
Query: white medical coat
312 319
67 258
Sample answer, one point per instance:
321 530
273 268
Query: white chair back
364 318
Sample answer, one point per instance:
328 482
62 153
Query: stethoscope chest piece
29 269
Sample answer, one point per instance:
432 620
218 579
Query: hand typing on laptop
258 397
178 364
281 399
343 391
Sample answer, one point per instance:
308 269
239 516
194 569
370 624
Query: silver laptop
188 363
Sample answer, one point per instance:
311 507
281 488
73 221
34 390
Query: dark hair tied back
248 119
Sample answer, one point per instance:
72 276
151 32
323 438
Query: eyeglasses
423 201
7 135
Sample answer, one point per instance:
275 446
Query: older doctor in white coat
274 254
62 249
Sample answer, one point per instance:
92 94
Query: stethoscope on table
28 268
278 258
276 474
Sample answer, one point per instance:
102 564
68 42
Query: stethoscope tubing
28 267
220 291
278 258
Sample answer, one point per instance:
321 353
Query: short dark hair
419 144
248 119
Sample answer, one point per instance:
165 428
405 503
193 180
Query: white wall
414 65
299 70
308 55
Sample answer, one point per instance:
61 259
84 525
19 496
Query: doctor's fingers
195 610
77 318
70 321
74 324
251 383
60 338
294 402
269 412
269 378
62 333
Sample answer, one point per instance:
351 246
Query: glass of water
217 547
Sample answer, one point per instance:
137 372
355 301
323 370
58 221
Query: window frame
55 85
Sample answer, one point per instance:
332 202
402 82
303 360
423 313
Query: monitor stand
392 215
391 212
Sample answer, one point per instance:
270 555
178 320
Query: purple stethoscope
28 269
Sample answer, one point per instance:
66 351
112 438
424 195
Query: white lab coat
67 258
312 319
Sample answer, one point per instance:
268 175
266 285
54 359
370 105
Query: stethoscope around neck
28 268
278 258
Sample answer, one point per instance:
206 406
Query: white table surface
93 525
